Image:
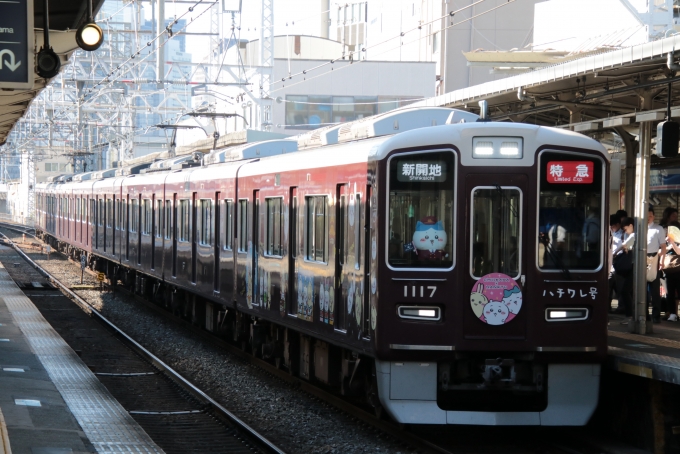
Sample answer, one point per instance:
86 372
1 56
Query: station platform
50 401
655 356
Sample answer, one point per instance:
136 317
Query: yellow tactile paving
4 438
646 339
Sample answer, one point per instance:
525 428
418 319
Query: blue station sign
16 44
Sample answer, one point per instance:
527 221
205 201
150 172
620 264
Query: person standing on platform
623 264
615 240
670 219
656 247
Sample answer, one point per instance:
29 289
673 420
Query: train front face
492 296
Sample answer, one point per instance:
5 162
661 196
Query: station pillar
642 177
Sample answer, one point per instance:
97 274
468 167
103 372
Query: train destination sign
16 44
570 172
432 171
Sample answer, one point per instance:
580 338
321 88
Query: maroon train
449 270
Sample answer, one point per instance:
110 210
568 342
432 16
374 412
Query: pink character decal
496 299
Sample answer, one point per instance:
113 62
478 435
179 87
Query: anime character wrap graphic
496 299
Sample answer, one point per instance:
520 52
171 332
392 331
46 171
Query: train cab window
570 205
204 223
496 231
146 217
134 215
228 224
316 232
168 219
243 226
274 242
109 213
420 211
183 222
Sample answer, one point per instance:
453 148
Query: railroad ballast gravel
290 418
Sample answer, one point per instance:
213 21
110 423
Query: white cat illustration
495 312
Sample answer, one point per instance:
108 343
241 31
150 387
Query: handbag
623 262
652 268
671 263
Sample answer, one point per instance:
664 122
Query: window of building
228 223
51 167
134 215
158 219
183 221
243 226
274 242
204 221
316 228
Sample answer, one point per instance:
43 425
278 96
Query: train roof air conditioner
401 120
83 176
251 151
327 135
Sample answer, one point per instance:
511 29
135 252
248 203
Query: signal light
90 36
48 63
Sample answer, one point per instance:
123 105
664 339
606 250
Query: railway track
419 439
177 415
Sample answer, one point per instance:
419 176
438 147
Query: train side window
168 219
183 221
204 222
100 212
294 224
274 243
496 231
93 210
78 209
158 219
109 213
146 217
340 233
316 235
243 225
228 224
134 215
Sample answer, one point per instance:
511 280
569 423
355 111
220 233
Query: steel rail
261 442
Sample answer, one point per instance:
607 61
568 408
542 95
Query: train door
495 266
369 251
256 247
174 235
217 247
194 237
342 199
293 249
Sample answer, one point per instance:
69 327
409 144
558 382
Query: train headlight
497 147
566 314
431 313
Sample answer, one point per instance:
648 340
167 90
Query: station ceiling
593 95
65 16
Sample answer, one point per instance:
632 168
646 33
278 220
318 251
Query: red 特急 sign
570 172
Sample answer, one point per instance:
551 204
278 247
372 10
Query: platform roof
65 18
588 91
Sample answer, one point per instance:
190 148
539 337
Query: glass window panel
570 214
496 214
420 212
273 242
168 219
243 226
228 224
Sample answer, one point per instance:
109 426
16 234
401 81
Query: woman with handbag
623 265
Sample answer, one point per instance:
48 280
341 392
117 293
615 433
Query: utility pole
266 62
